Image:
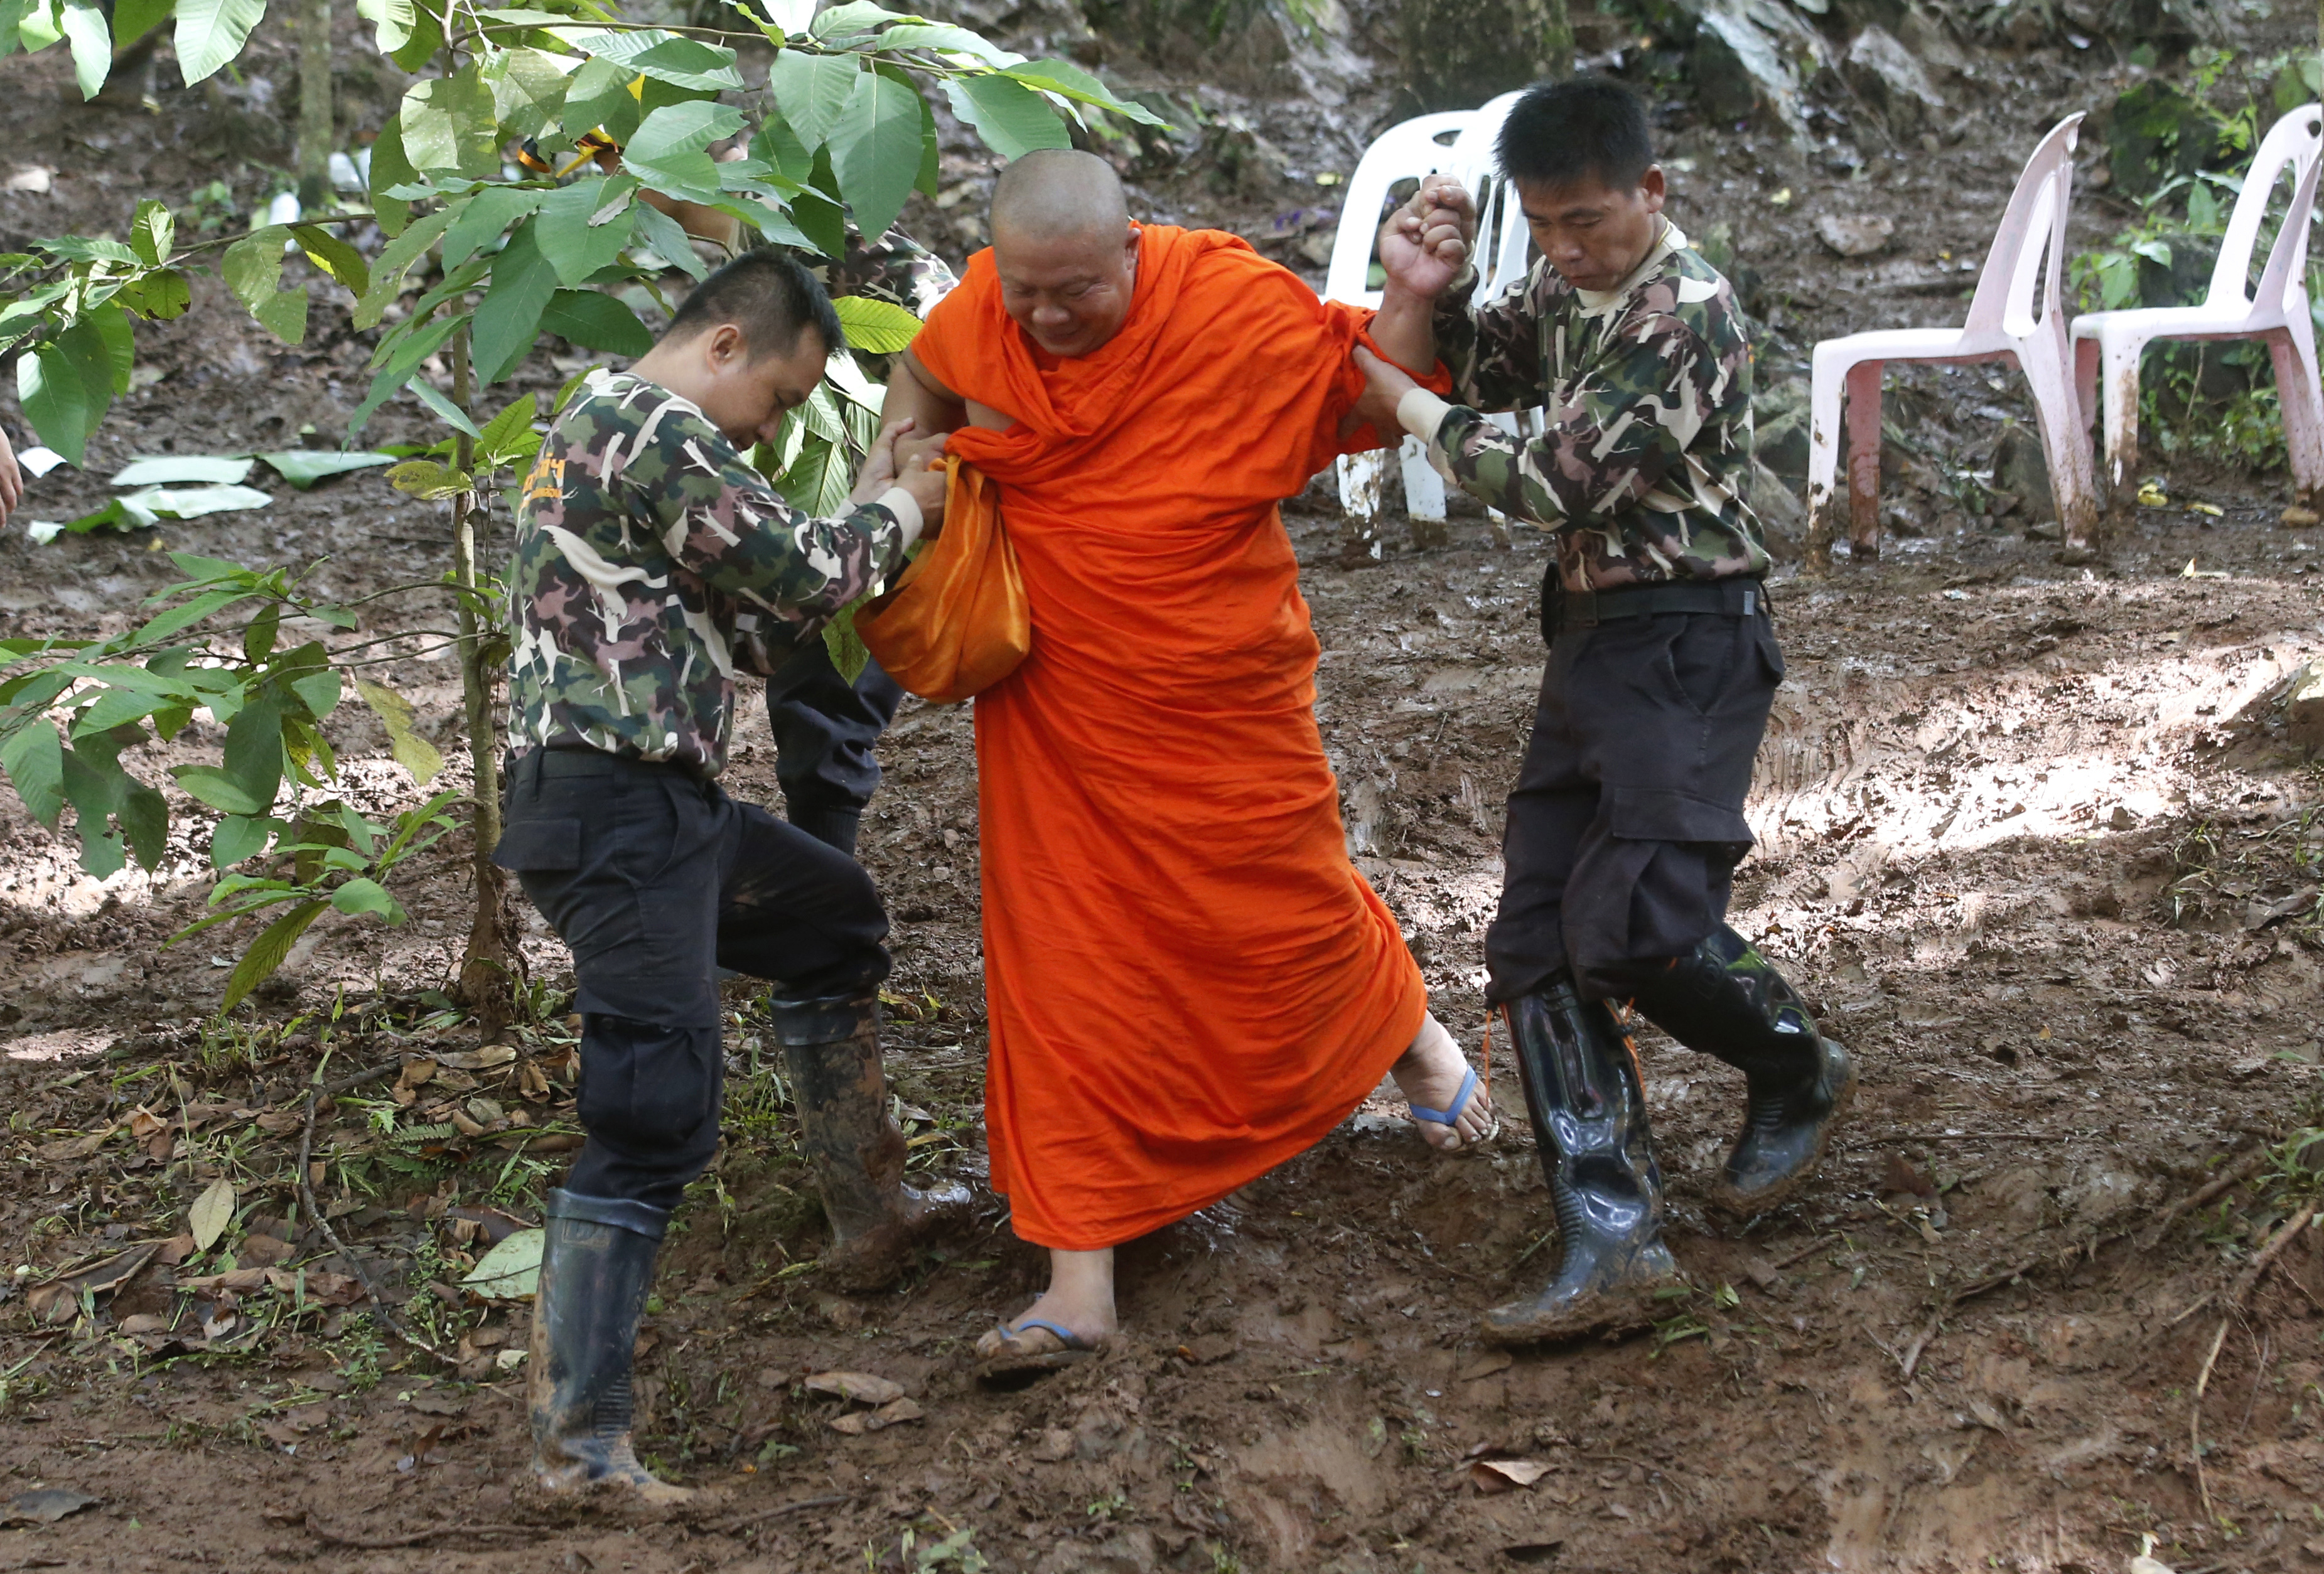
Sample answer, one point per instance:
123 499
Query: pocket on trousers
1666 814
539 845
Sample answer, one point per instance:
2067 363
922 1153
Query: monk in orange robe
1188 983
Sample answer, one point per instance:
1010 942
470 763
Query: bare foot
1430 1076
1079 1300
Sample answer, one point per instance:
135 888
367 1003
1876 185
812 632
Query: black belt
566 761
1734 598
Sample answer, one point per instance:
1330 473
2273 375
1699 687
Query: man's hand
1426 243
879 466
1389 386
12 483
920 471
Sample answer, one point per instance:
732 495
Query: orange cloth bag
958 621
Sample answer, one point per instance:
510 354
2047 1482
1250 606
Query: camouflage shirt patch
650 565
1643 464
895 269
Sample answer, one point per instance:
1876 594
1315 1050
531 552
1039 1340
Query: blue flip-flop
1005 1361
1451 1116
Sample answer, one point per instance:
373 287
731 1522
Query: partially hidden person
651 566
1188 983
1625 824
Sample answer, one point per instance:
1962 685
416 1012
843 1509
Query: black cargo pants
1626 821
827 731
656 878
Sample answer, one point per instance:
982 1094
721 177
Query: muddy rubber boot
597 1264
1727 1000
833 1047
1588 1117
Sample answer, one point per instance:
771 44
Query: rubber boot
857 1154
1588 1117
597 1264
1725 999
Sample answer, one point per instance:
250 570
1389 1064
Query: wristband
906 509
1420 413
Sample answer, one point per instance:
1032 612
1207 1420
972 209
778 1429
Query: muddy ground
2032 838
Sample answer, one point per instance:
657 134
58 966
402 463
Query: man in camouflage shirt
650 566
1626 821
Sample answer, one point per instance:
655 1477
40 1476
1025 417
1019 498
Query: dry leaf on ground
213 1210
1493 1475
859 1387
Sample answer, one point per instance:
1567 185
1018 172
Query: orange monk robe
1187 982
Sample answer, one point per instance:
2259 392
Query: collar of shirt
1596 302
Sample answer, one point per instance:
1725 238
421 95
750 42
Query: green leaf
266 954
34 758
91 38
252 267
412 751
211 786
254 747
210 33
877 328
144 820
489 212
394 21
508 436
948 39
583 227
682 63
812 90
669 240
848 655
238 837
55 400
302 467
451 414
1062 77
1013 119
191 502
449 126
875 151
134 19
366 896
598 321
528 90
334 256
160 295
163 468
389 169
396 258
819 481
823 221
508 319
430 482
857 16
599 96
668 151
427 37
99 346
152 232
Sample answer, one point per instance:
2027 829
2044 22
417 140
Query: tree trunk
485 977
315 131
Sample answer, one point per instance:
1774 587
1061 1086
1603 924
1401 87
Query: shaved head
1064 249
1054 193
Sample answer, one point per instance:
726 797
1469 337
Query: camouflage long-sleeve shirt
1643 464
895 269
650 563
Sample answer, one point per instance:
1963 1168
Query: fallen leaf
282 1122
439 1405
1485 1365
477 1060
262 1251
57 1301
1495 1476
858 1388
1056 1444
45 1505
240 1279
2145 1563
33 178
856 1422
175 1250
213 1210
510 1271
1901 1176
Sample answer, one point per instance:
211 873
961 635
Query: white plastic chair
2027 258
2276 312
1417 147
1504 251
